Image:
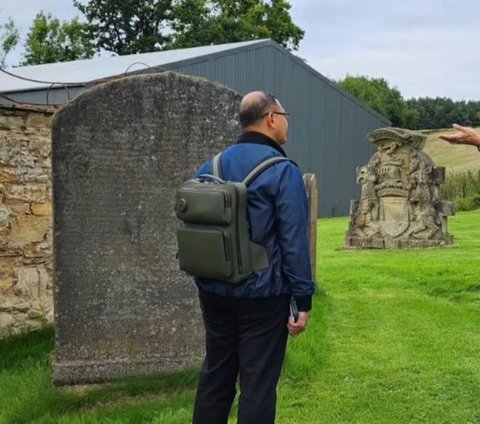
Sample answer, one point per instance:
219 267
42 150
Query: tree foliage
127 26
421 113
50 40
442 112
9 38
378 95
136 26
197 22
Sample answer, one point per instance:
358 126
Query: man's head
262 112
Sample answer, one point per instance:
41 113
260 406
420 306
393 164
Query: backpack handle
213 178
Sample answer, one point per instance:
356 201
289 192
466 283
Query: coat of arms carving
399 204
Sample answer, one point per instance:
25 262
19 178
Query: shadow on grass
36 346
56 403
25 359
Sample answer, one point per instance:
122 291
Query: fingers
451 138
464 136
295 328
459 127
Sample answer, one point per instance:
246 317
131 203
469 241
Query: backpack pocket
205 252
204 204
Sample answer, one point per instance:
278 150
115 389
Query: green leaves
139 26
227 21
421 113
9 38
132 26
378 95
50 40
127 26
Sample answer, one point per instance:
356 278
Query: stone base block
353 242
91 372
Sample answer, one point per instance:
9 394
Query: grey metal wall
327 127
54 96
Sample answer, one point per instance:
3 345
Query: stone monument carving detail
399 204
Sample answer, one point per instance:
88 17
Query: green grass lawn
394 337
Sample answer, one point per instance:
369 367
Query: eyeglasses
276 113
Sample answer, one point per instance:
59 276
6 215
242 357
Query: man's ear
270 121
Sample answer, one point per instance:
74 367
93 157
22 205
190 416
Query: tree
442 112
227 21
135 26
127 26
9 38
377 94
50 40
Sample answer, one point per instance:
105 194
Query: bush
467 203
462 188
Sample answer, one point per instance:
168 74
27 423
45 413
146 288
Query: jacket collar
255 137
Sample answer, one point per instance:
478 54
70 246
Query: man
463 136
247 323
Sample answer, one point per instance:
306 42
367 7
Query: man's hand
464 136
295 328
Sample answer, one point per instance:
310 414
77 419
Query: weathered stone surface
22 307
122 306
41 250
10 250
13 152
29 229
42 209
6 286
7 266
17 208
9 175
31 283
37 314
30 193
6 324
25 195
400 205
38 120
5 216
12 121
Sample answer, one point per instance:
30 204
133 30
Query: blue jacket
278 214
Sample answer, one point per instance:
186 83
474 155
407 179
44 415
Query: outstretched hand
463 136
295 328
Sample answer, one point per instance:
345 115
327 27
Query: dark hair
253 112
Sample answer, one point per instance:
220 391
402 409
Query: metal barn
327 126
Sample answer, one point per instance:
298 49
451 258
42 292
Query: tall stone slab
120 150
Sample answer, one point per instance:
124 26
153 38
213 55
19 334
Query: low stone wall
26 298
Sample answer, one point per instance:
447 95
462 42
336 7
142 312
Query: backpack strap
217 169
254 173
262 166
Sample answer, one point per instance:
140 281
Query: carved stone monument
400 204
120 150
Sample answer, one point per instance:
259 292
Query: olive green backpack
213 239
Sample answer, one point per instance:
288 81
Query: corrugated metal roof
84 71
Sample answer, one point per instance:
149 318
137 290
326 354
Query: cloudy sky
422 47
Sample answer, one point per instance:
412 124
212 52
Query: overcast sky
422 47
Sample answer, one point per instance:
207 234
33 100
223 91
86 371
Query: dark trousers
244 338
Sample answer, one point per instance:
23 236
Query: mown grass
393 338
